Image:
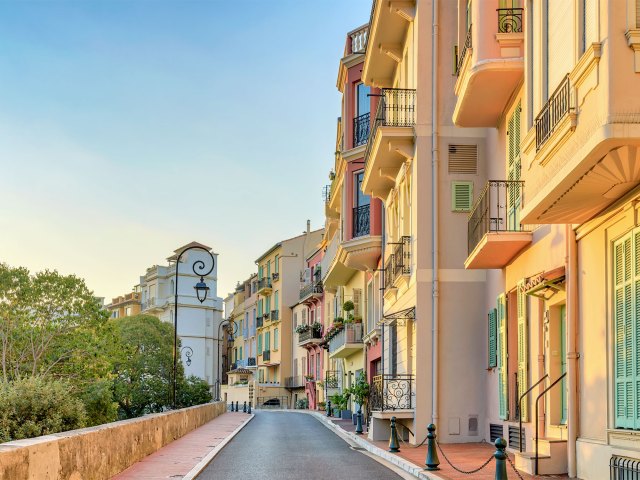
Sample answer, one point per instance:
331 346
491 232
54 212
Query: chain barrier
464 471
408 444
514 467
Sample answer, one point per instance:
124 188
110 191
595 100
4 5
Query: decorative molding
391 50
633 40
404 9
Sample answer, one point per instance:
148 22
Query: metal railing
399 262
361 125
463 51
546 375
396 108
497 209
510 20
326 193
251 361
558 380
309 335
266 355
388 272
361 221
259 322
624 468
151 302
310 289
264 283
296 381
391 392
333 379
275 315
350 333
553 111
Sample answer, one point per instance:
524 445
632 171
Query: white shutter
357 301
559 45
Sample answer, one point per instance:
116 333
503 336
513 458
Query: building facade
125 305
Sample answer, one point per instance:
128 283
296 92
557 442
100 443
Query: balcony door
361 224
362 118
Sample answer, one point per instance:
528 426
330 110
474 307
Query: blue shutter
493 338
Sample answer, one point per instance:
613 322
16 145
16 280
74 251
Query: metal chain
463 471
408 444
513 466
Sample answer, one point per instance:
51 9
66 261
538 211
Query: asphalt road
288 446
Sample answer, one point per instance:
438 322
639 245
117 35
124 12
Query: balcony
489 64
264 286
391 142
310 337
260 322
361 126
398 264
297 381
390 393
251 361
275 315
150 304
556 108
347 341
361 221
494 232
266 355
311 291
333 379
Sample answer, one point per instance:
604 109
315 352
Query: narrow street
287 446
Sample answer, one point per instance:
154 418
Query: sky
129 128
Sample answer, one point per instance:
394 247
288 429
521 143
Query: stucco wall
102 451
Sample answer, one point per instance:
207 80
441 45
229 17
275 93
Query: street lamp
202 290
228 324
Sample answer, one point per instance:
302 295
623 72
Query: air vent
514 438
461 196
473 425
495 431
463 159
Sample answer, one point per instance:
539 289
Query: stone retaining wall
99 452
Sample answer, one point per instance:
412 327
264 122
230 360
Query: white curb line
202 464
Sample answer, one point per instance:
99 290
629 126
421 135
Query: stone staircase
552 457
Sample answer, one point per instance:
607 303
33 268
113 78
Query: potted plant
357 319
339 402
316 327
338 321
309 378
360 392
302 328
322 406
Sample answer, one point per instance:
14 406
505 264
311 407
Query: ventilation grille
496 431
461 196
473 425
514 438
622 468
463 159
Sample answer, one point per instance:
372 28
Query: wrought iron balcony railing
361 221
554 110
333 379
497 209
351 333
308 290
399 262
510 20
266 355
275 315
309 335
326 193
264 283
361 125
396 108
251 361
463 51
392 392
259 322
296 381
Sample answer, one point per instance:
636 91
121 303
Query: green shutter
493 338
626 304
503 380
461 196
259 344
515 169
268 304
276 267
276 297
260 272
260 308
275 339
269 268
523 350
267 341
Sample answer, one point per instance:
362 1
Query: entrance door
563 363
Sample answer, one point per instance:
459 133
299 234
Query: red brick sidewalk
465 456
179 457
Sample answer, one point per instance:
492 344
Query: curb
202 464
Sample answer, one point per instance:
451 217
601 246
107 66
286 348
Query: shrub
193 391
34 406
302 404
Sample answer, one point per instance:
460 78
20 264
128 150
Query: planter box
336 412
346 414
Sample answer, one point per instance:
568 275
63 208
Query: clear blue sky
129 128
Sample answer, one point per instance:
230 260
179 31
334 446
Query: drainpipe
573 421
434 212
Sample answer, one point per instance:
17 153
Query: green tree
193 391
143 368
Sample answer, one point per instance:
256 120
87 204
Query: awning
547 284
406 314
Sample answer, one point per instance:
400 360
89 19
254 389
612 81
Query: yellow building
126 305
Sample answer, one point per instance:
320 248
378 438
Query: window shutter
276 297
357 300
304 316
393 345
269 268
461 196
268 309
523 350
493 338
260 308
275 339
259 344
515 169
503 381
626 334
267 341
463 159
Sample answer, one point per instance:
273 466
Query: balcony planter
346 414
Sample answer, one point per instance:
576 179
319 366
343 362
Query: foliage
332 331
144 367
302 404
359 390
99 404
36 406
339 400
316 327
348 306
302 328
193 391
322 405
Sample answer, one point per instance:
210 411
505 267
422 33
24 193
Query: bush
193 391
34 406
302 404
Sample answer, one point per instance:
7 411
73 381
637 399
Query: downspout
434 212
573 421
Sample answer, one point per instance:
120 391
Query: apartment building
197 322
125 305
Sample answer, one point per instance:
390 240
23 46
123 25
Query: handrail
536 419
546 375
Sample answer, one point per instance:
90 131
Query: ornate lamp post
229 324
202 291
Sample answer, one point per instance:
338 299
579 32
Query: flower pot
336 412
345 414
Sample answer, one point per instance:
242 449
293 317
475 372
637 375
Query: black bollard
328 408
501 457
394 446
237 409
359 421
244 407
432 460
232 406
249 409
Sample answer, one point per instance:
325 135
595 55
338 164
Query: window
357 302
559 50
360 198
589 23
393 346
364 103
275 339
268 309
261 375
295 320
461 196
269 268
239 353
626 326
260 272
260 310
